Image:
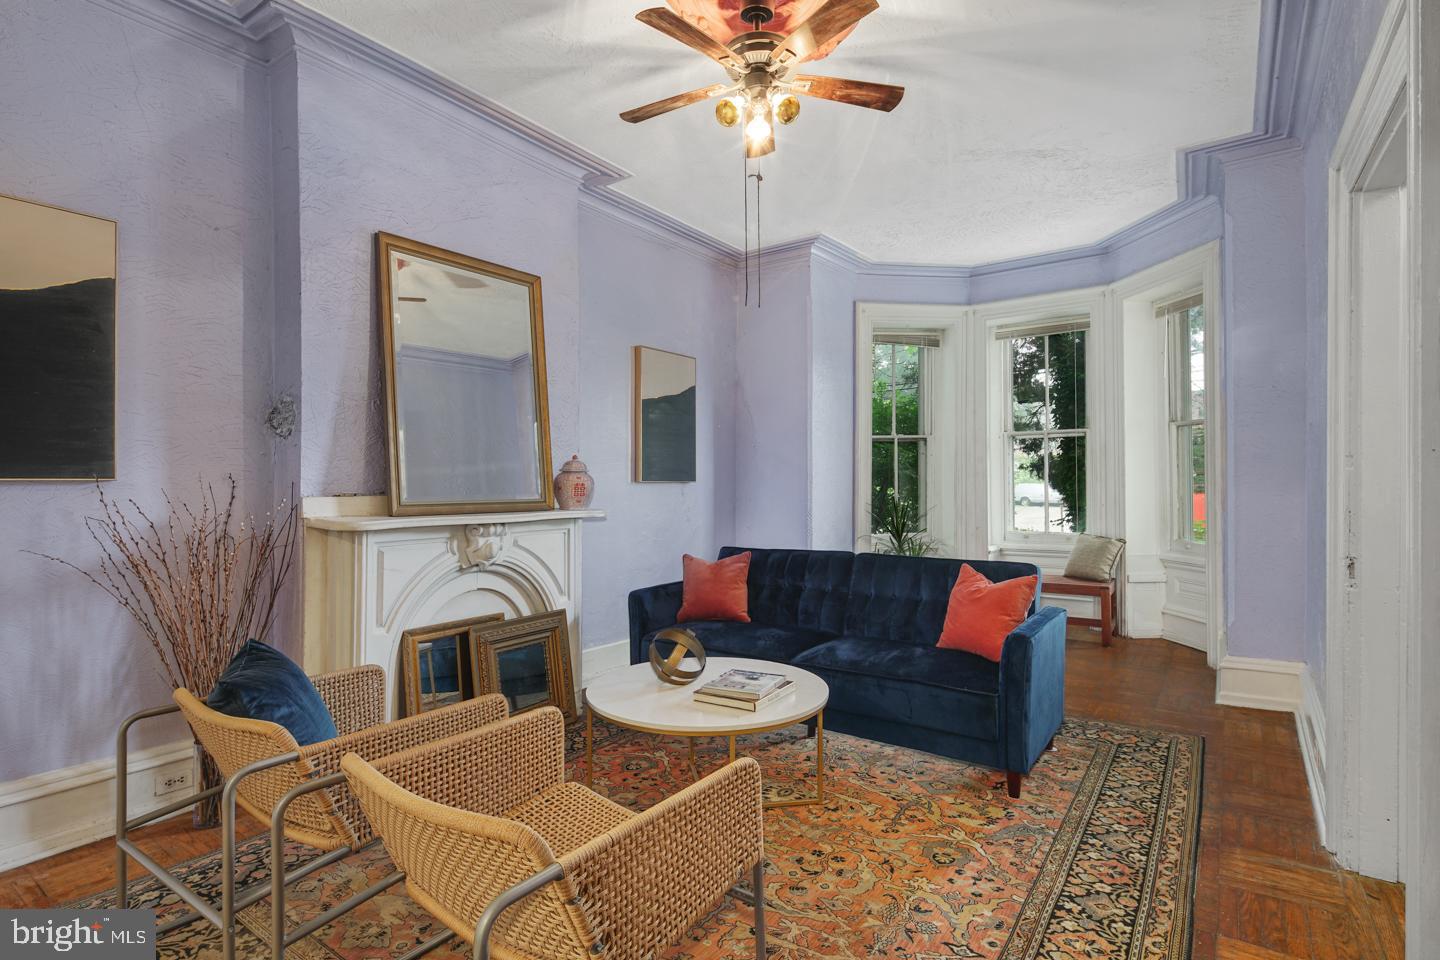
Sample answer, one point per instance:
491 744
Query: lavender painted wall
637 289
772 410
1263 376
109 116
373 155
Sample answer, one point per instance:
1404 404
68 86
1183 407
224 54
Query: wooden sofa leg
1012 784
810 727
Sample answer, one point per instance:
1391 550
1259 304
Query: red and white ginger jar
574 487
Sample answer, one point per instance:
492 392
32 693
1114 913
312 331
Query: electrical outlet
171 782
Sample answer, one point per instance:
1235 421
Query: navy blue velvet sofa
867 623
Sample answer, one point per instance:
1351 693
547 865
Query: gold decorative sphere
726 112
787 109
668 668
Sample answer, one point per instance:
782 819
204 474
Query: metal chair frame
231 900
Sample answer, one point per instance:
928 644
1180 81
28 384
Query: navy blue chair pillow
261 683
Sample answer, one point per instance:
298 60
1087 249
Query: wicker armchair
486 819
297 789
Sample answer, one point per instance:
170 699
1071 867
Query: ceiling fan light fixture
727 112
758 125
787 108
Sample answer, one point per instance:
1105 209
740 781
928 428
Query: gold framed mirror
468 410
528 660
438 663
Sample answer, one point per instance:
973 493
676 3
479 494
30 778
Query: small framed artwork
439 663
664 416
57 318
528 660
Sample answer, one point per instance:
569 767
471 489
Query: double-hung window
900 430
1046 426
1185 332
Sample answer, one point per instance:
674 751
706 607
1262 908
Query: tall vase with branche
199 582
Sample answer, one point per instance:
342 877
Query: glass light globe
787 109
727 113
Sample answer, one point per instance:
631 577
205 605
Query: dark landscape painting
57 327
664 416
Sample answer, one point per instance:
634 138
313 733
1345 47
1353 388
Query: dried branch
199 584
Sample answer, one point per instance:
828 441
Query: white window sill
1192 559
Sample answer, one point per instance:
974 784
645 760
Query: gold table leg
819 796
694 767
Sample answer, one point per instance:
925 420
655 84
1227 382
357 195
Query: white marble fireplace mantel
369 576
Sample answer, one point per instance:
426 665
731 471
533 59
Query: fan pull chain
745 199
759 275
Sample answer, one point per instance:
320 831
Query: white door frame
1381 110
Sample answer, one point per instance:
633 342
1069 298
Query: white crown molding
600 196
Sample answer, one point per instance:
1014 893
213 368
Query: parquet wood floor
1267 890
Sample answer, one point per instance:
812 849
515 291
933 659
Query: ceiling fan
763 68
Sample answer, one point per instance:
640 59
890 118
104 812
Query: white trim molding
1310 726
1259 684
601 659
55 811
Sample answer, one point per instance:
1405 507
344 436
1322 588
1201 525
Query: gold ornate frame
492 639
385 244
410 641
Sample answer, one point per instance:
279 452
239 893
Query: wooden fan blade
822 26
673 103
875 96
670 24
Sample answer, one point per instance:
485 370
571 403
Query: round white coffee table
634 698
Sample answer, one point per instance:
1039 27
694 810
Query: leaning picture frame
527 660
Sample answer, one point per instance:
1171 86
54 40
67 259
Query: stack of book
745 689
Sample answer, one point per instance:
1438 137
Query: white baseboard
602 659
1310 725
1184 627
49 813
1259 684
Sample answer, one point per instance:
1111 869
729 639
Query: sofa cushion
903 599
798 588
715 591
932 687
981 614
759 641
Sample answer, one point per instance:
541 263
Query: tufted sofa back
798 588
883 597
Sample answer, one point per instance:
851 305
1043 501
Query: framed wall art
664 409
57 320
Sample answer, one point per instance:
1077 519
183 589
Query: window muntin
900 422
1046 431
1185 321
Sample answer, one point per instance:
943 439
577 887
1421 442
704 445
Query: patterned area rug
911 856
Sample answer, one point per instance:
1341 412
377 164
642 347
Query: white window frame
1044 434
1177 360
955 513
929 371
999 319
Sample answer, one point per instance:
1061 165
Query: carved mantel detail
484 545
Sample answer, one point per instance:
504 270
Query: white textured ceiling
1027 125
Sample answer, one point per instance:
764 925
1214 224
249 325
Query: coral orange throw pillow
716 591
981 614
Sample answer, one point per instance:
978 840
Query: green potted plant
899 527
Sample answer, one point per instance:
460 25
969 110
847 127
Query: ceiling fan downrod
758 13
